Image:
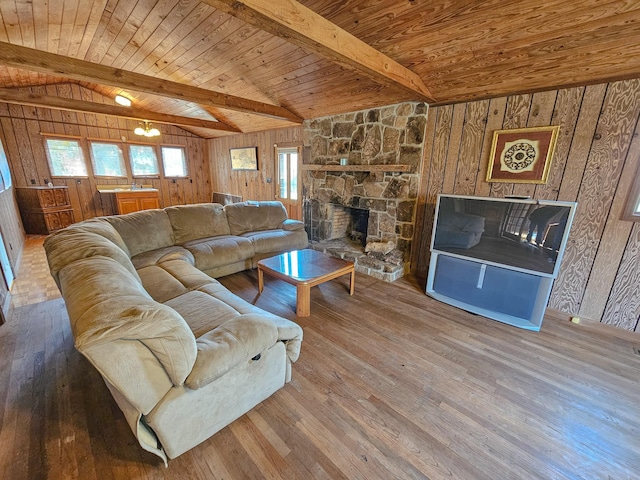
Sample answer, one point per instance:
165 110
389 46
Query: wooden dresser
44 209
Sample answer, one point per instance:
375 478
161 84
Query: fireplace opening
348 222
334 221
358 225
342 231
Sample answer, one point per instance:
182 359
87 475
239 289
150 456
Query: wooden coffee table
305 269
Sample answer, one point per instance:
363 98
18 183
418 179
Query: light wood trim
358 168
303 27
632 199
9 95
60 135
61 66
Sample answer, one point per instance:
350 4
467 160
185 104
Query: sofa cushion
202 311
267 241
166 254
187 274
102 310
246 217
223 348
292 225
192 222
160 284
218 251
288 331
144 231
172 278
75 242
105 229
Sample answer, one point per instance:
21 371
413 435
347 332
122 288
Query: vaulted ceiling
219 66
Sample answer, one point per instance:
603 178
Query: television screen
523 234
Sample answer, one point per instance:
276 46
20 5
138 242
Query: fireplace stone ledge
352 251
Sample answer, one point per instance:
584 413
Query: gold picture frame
244 158
522 155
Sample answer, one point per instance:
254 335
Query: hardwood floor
389 384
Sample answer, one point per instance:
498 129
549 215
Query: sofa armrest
230 344
291 334
292 225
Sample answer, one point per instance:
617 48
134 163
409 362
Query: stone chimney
372 142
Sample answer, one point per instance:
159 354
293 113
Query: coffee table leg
352 282
303 300
260 280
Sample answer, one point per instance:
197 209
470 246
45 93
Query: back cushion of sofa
144 231
246 217
192 222
79 241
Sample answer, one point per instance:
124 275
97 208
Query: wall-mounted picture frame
522 155
244 158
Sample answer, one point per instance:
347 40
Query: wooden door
288 188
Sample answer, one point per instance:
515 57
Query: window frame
119 144
184 156
67 138
632 207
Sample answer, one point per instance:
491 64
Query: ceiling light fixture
124 101
147 129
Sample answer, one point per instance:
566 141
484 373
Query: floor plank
389 384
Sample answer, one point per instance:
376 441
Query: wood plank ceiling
459 50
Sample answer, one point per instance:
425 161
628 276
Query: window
107 159
65 157
143 160
632 209
288 173
174 162
5 174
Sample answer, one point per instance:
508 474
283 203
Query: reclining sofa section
182 356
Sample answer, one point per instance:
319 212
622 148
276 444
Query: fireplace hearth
388 267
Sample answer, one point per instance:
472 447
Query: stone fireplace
369 162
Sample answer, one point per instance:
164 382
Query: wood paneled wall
21 128
596 158
250 184
12 234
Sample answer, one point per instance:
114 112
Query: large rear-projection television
524 234
498 257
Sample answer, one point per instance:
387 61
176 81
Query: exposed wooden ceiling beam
25 98
303 27
61 66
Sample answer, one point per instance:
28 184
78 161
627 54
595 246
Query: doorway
288 160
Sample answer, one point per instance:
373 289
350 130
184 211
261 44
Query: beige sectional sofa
182 356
